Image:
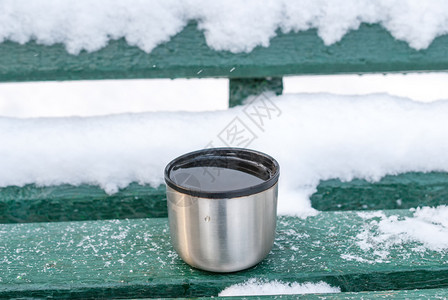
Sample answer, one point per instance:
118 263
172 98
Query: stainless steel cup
223 230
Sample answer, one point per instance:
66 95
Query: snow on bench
370 152
314 137
87 202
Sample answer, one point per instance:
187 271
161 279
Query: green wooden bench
78 242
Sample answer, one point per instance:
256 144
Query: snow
227 25
351 257
313 136
254 287
103 97
425 87
428 226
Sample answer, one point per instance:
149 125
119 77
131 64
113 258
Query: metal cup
222 230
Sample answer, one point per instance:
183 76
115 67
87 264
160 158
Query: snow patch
228 25
351 257
428 226
254 287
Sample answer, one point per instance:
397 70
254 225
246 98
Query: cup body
222 235
229 224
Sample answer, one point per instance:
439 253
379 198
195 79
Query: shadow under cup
222 207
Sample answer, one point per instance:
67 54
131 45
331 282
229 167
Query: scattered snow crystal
228 25
428 226
254 287
316 137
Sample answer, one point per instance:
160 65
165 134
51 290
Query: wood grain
134 258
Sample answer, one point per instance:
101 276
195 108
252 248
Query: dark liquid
213 179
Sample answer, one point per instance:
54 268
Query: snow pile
428 226
228 25
314 137
254 287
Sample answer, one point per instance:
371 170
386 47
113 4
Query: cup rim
249 155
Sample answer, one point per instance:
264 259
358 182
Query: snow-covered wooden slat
391 192
368 49
134 258
86 202
78 203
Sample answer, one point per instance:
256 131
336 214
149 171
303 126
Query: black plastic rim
251 161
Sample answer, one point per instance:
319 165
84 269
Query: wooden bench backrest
186 55
134 258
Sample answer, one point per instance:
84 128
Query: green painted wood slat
186 55
241 88
391 192
134 258
79 203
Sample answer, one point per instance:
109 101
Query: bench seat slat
134 258
368 49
